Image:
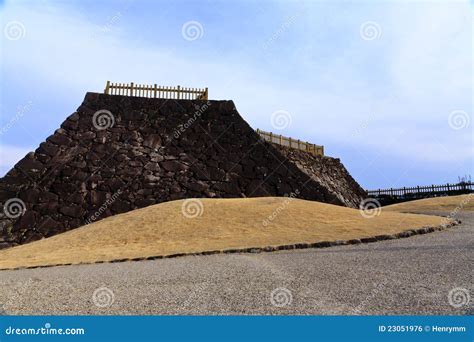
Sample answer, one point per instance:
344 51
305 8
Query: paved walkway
406 276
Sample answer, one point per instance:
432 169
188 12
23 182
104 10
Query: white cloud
424 72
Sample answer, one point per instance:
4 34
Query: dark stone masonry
119 153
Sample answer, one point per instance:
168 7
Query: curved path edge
320 244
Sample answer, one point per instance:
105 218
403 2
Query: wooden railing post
178 92
107 86
131 89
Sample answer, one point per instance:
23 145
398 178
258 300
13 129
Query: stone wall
118 153
329 172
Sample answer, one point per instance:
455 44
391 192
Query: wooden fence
156 91
292 143
390 196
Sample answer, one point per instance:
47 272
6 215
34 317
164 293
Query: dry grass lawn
447 204
223 224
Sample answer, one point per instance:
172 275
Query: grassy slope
225 223
447 204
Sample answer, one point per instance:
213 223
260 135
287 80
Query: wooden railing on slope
292 143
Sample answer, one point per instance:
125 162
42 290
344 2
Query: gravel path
405 276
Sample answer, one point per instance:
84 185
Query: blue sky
385 86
